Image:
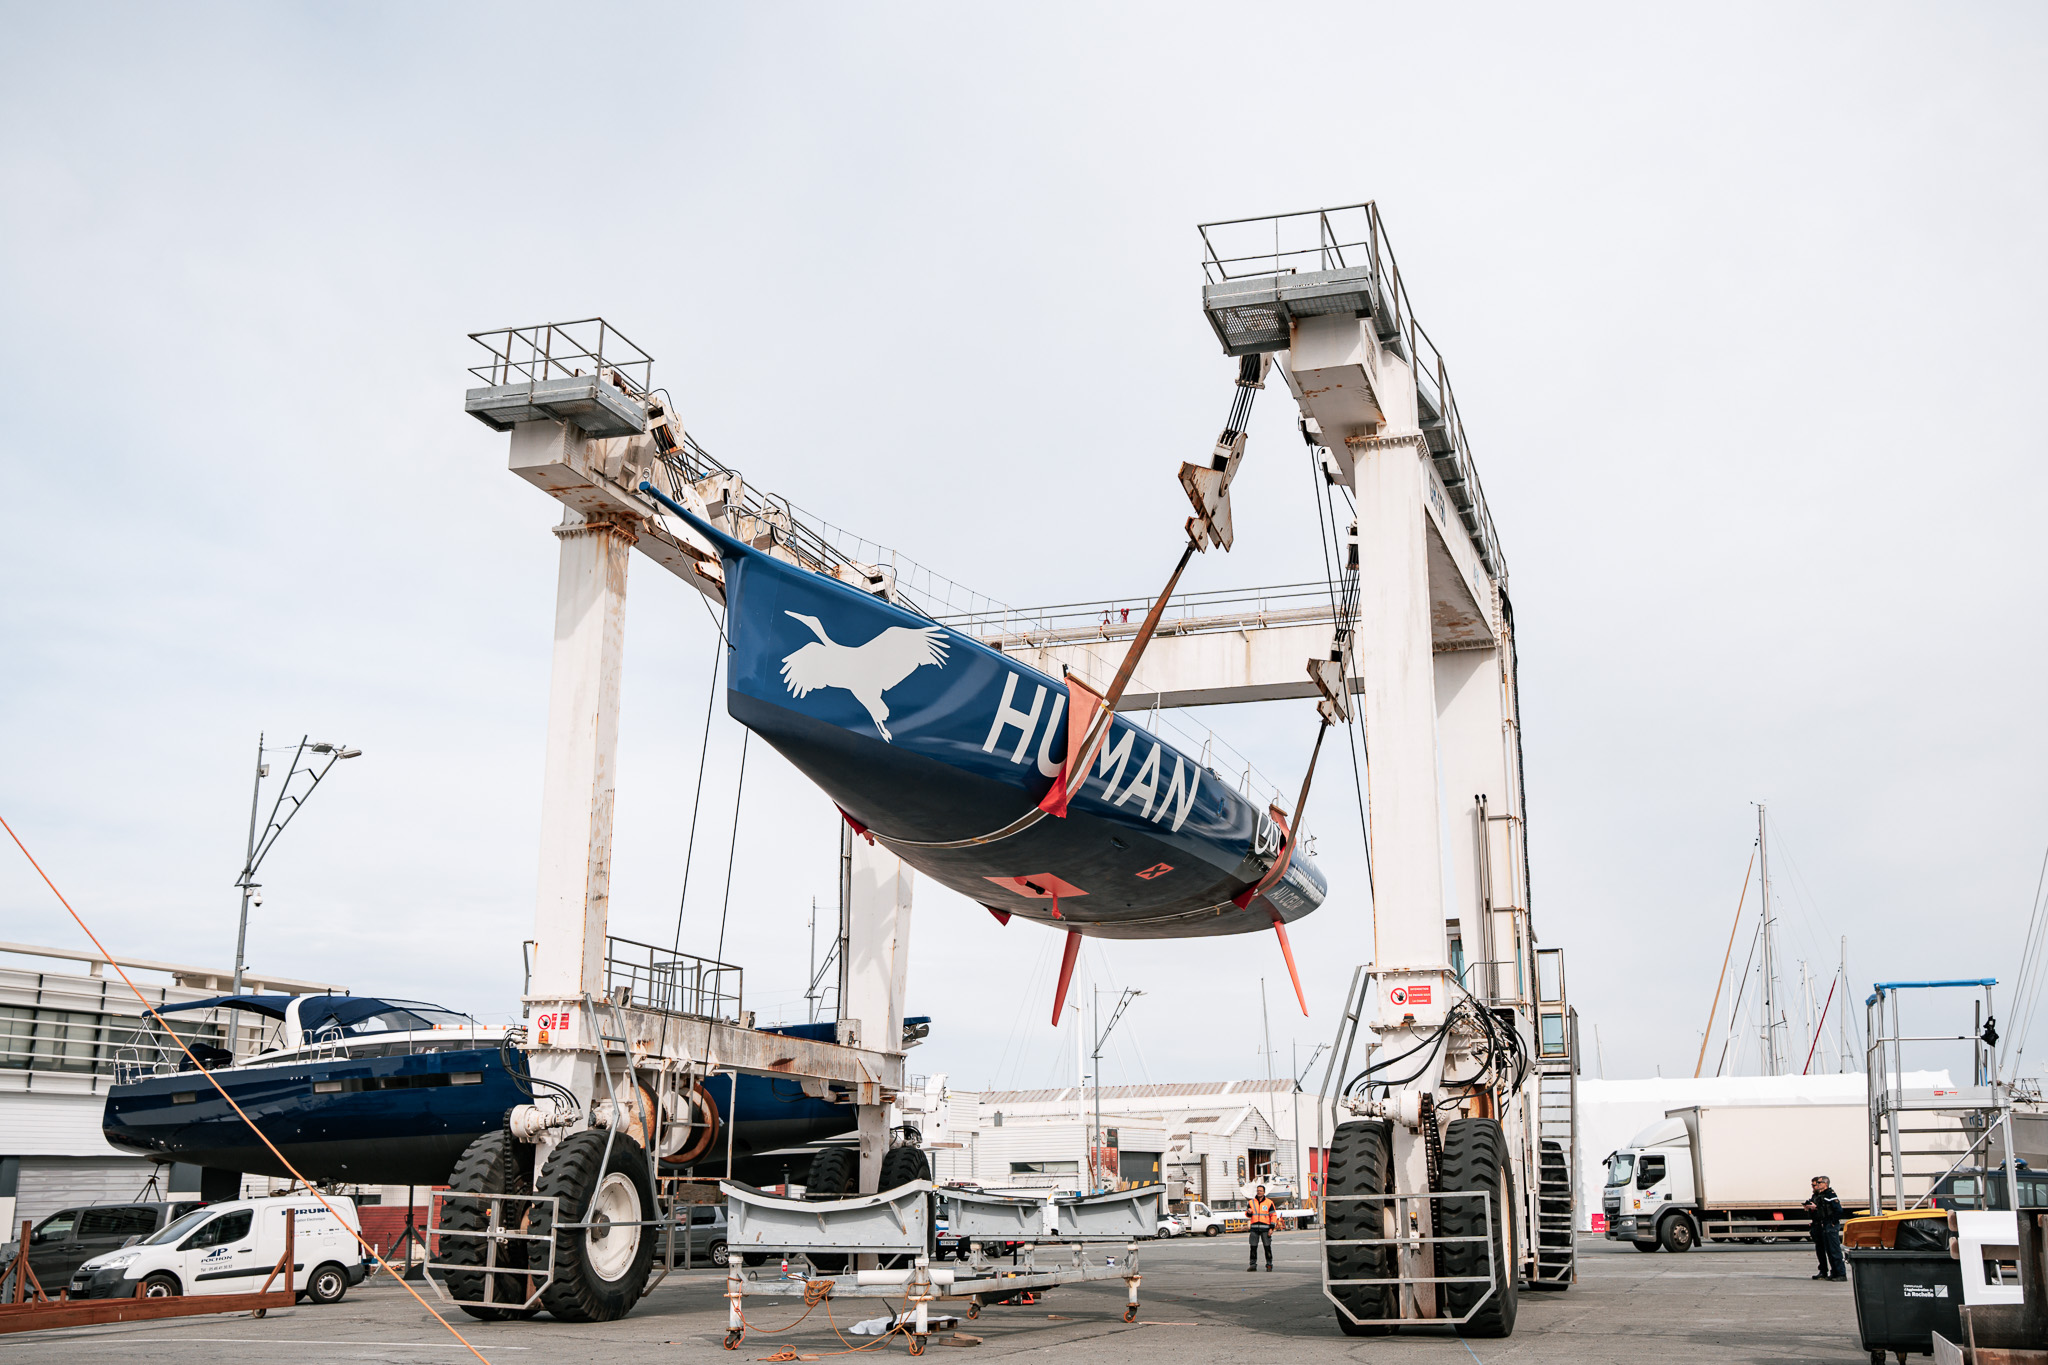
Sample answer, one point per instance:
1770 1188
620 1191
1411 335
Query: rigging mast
1773 1053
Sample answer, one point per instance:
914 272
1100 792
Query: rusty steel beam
656 1035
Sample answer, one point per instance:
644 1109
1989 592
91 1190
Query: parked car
707 1224
69 1238
1172 1225
232 1248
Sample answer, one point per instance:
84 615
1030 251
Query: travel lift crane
621 1037
1452 1171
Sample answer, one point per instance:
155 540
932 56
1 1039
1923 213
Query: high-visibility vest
1262 1211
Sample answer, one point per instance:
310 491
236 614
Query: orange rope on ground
811 1301
223 1092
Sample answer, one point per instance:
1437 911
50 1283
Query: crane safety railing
563 350
1119 618
656 978
1350 237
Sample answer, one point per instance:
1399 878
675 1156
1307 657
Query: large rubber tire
901 1165
1476 1158
600 1272
1675 1233
495 1163
161 1285
1361 1163
834 1171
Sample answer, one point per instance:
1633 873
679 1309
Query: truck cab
1975 1187
1649 1189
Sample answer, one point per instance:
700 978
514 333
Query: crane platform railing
1117 618
1352 239
563 350
656 978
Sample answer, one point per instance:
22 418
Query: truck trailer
1734 1173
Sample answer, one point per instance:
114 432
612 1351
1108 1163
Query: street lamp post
259 846
1095 1150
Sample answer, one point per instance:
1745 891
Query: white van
231 1248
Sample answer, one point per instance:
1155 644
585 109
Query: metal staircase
1557 1141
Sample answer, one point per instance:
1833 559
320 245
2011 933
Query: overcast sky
1742 303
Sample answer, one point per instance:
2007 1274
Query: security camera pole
259 848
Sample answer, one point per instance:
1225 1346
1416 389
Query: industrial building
62 1036
1204 1141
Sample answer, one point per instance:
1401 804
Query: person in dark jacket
1825 1210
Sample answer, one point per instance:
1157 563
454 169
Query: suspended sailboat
1021 791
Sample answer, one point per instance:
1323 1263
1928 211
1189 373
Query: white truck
232 1248
1204 1221
1734 1173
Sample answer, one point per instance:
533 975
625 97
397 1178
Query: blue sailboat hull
927 740
399 1120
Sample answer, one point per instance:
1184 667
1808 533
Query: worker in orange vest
1264 1216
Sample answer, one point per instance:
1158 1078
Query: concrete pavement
1726 1305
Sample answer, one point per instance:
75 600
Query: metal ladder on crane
1557 1111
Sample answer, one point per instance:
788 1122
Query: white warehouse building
1206 1141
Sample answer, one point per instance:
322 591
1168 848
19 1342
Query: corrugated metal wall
50 1183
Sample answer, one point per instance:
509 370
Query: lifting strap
1095 732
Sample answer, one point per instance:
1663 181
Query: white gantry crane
622 1036
1451 1178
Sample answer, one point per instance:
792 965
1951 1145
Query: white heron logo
866 670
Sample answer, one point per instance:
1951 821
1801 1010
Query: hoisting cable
1344 612
738 796
697 801
215 1083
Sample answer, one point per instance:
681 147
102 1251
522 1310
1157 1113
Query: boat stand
1056 1240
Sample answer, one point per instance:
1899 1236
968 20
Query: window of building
1045 1168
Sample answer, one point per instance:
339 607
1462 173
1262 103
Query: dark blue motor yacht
381 1092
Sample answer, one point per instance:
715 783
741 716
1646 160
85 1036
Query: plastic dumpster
1903 1298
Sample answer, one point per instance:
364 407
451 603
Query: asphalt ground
1718 1304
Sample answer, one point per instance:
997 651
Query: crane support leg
874 973
572 902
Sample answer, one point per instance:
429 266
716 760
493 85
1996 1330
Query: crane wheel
1361 1163
495 1163
901 1165
834 1171
600 1270
1476 1158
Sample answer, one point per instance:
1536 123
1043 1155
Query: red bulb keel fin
1073 950
1287 951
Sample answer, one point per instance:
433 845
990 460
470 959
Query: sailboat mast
1773 1061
